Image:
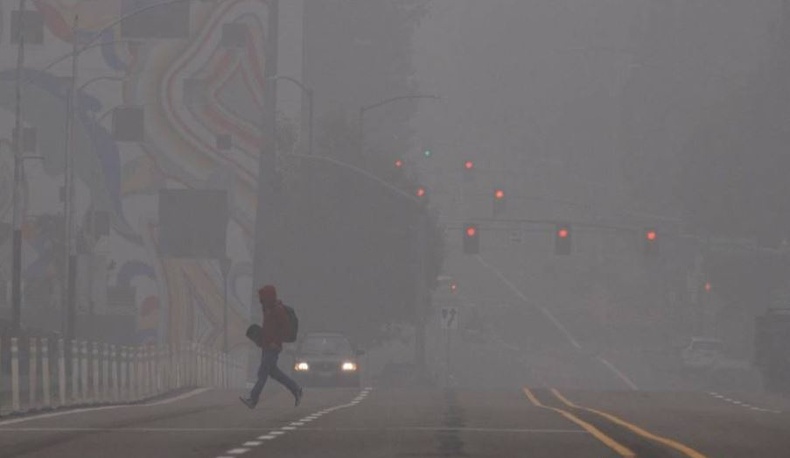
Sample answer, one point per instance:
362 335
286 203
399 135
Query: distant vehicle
327 359
772 349
702 353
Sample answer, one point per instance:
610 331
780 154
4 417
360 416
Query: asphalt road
412 422
527 387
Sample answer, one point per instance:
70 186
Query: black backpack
289 335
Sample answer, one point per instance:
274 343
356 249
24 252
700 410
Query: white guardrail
41 374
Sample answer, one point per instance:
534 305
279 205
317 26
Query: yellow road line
620 449
686 450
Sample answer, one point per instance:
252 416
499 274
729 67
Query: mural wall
191 90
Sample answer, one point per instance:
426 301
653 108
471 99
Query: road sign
449 317
515 237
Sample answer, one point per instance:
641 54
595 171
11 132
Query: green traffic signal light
428 153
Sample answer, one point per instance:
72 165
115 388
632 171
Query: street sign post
449 317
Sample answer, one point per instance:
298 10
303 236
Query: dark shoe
298 397
248 402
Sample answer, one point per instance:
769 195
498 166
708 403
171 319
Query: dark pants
268 368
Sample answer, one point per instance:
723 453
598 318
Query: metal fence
41 374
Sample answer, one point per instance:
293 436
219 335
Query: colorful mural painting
191 91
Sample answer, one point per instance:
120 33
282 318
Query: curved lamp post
309 93
366 108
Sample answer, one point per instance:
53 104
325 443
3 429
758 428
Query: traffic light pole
421 299
224 265
69 259
264 259
16 250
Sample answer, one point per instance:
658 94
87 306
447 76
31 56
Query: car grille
325 366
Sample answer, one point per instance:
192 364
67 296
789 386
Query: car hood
324 359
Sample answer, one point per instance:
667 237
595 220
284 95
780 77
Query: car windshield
326 345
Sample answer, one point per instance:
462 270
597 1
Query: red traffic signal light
562 240
708 286
499 202
650 243
469 165
471 239
399 163
420 192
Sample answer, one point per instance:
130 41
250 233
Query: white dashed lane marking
293 426
741 403
557 324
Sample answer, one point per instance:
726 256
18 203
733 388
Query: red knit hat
267 295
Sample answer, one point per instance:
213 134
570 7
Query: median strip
675 445
618 448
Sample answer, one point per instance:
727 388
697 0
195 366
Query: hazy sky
554 88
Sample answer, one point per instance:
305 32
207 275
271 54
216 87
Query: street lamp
16 274
366 108
16 250
309 93
421 248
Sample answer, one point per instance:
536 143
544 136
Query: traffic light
650 242
420 192
471 237
427 153
499 202
562 240
398 163
469 167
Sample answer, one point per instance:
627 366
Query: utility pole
308 106
16 251
69 278
224 265
421 299
264 260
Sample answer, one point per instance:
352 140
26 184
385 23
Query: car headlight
348 366
302 367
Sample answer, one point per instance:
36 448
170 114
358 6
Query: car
327 359
702 353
